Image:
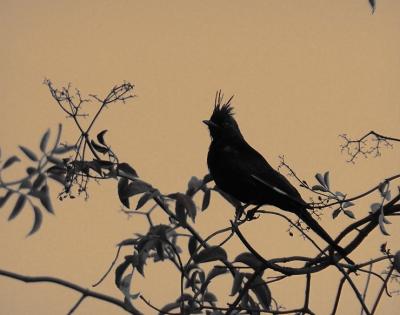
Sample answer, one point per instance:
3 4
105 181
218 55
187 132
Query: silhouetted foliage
252 275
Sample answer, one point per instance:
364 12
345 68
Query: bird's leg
239 211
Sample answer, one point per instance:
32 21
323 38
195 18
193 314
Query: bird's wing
263 173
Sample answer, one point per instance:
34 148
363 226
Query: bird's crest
221 110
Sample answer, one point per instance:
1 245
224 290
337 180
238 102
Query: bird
243 173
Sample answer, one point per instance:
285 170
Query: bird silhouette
243 173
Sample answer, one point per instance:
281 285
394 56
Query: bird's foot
251 214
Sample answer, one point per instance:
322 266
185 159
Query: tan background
302 72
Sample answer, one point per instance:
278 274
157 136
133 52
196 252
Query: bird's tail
306 217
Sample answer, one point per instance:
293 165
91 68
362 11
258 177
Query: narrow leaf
98 147
375 207
206 200
100 137
29 153
126 168
4 199
189 206
180 212
169 307
349 213
211 253
320 179
143 200
123 191
382 225
45 199
250 260
26 184
262 292
137 187
18 207
10 161
372 3
194 184
44 140
192 245
336 213
64 149
319 188
38 181
237 283
326 179
119 271
37 222
347 204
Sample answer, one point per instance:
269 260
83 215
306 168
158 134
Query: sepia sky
302 72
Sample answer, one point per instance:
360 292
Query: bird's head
222 125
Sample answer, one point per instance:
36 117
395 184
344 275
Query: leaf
123 191
37 222
320 179
206 199
58 178
372 3
126 168
250 260
262 292
326 179
45 199
125 284
127 242
95 166
339 194
382 225
388 195
192 245
119 271
64 149
382 188
349 213
347 204
143 200
54 160
10 161
189 205
26 184
38 181
100 137
30 154
396 261
319 188
4 199
18 207
210 297
194 184
44 141
336 213
375 207
180 212
58 137
169 307
237 283
98 147
215 272
137 187
31 170
211 253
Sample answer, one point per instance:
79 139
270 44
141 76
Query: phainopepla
243 173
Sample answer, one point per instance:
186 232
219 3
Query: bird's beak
209 123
